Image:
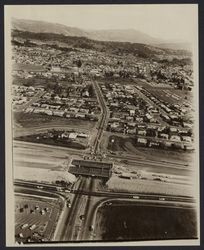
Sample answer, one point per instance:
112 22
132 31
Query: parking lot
36 218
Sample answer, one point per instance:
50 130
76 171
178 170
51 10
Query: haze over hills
129 35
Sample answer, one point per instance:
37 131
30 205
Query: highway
54 156
86 201
104 116
90 191
76 221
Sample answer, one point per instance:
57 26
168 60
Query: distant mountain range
129 35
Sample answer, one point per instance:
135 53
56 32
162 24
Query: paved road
72 228
55 155
35 98
103 120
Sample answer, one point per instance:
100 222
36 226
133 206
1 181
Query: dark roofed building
91 168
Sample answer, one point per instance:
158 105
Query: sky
175 22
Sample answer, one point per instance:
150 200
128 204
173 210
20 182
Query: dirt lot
40 174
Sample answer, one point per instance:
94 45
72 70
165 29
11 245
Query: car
91 228
108 203
24 226
162 199
68 204
20 235
32 227
67 191
135 197
42 212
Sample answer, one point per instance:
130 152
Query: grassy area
140 222
36 81
51 141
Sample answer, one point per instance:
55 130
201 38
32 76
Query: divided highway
77 221
104 116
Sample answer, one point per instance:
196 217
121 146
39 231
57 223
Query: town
100 126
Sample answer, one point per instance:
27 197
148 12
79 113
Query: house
139 119
141 141
38 110
65 135
83 135
58 113
131 124
73 136
154 144
186 138
189 147
80 116
131 131
187 125
175 138
142 132
164 136
85 93
173 130
114 125
132 112
168 144
48 112
29 110
55 69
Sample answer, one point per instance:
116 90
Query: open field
165 92
43 175
171 96
118 184
36 218
36 120
139 222
27 67
128 145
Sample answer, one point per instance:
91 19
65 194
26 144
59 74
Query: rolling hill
129 35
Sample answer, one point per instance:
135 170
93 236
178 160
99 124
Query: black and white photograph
102 125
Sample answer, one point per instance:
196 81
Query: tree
79 63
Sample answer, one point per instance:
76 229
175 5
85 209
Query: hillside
119 35
119 48
70 42
46 27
